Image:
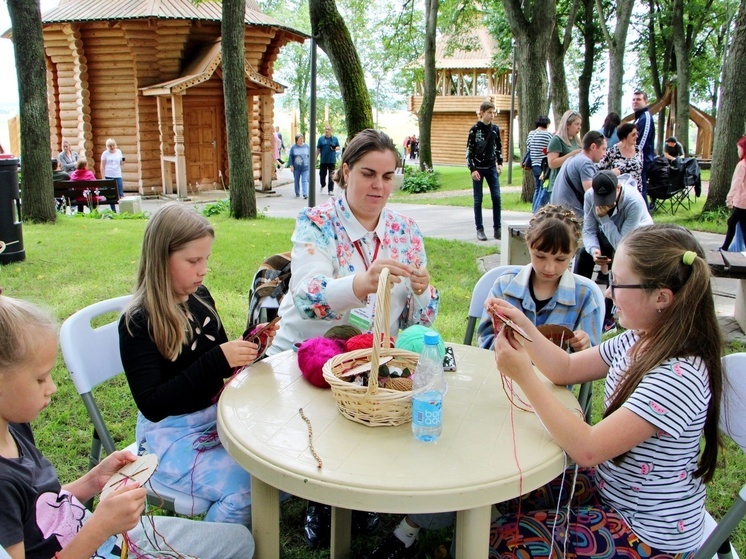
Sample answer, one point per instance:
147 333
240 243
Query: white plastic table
487 453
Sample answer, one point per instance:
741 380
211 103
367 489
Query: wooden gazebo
148 74
465 79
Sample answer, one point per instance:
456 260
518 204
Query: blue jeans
300 176
493 181
541 196
120 185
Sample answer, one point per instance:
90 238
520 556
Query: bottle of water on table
428 388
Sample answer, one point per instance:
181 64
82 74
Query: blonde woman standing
111 165
564 144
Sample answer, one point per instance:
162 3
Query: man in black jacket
485 161
645 135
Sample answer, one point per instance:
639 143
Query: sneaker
498 234
365 523
393 548
481 236
609 324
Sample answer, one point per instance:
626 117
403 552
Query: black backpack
270 284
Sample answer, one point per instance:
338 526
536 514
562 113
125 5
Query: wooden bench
731 265
71 192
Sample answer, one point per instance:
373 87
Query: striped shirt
537 142
654 488
576 304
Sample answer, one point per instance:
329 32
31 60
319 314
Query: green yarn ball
413 339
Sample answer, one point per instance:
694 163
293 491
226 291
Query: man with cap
673 149
611 210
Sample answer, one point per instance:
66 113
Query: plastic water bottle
428 388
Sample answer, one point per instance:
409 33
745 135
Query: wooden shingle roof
98 10
479 54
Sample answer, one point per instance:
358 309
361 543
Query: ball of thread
313 353
343 332
362 341
413 339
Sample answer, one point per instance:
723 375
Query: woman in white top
111 165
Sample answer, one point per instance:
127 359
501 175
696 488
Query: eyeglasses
613 286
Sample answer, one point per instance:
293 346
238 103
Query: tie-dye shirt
329 247
654 488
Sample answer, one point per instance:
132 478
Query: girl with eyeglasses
640 472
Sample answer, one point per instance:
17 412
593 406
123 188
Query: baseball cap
604 188
672 140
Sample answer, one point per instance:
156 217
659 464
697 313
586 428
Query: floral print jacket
329 247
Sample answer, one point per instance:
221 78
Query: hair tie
689 257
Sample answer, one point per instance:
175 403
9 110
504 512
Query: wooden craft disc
140 471
559 335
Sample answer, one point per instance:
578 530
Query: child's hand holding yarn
581 340
239 352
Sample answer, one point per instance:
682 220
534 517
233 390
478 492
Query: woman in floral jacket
341 246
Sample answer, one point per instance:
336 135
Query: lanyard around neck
364 253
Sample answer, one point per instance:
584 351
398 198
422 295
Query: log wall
95 71
449 134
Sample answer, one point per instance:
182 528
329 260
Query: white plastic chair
733 424
479 296
92 357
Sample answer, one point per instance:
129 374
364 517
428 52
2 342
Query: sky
9 92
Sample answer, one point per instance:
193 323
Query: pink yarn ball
313 353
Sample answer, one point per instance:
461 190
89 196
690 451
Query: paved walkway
457 223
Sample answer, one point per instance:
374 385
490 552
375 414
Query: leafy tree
428 97
243 197
332 35
616 44
731 115
38 195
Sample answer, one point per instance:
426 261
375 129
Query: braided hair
554 229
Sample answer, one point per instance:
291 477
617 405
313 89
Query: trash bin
11 233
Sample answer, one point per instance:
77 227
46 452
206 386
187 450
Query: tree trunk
532 25
428 97
558 94
331 34
731 115
532 39
240 166
586 75
617 44
681 48
38 195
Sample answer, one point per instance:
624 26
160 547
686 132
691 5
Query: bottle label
427 409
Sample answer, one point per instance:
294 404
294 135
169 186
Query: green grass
80 261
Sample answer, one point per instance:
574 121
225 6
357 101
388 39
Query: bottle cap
432 338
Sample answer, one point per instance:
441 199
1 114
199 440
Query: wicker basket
372 405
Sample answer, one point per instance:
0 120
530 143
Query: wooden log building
147 73
465 78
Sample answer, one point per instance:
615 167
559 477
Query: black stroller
671 183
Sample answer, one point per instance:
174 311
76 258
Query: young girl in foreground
640 490
546 290
176 356
39 517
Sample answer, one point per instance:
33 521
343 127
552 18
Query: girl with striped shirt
638 487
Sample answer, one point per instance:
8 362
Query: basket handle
381 328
